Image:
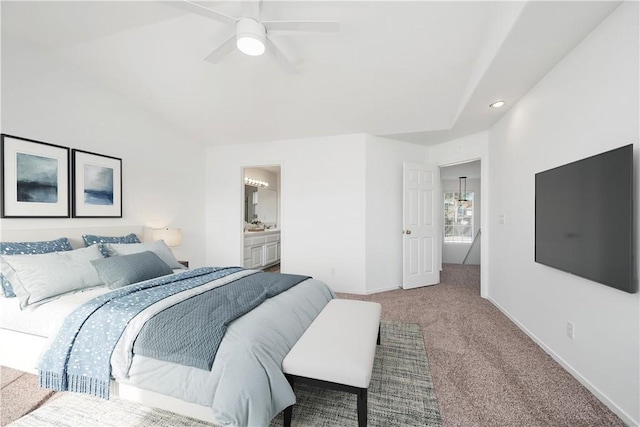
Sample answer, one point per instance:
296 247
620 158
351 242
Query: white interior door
421 245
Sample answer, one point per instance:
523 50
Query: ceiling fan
252 35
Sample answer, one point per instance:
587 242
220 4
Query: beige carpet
20 394
486 371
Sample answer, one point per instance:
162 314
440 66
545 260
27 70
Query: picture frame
97 185
35 178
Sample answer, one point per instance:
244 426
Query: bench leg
288 412
362 407
290 379
361 396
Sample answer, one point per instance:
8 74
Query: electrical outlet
502 219
570 330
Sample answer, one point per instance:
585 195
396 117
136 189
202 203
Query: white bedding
43 319
245 385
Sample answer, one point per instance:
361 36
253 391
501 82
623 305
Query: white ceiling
419 71
470 170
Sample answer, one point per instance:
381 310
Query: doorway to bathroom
261 217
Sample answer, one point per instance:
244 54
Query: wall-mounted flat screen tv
584 218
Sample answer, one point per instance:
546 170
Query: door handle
406 231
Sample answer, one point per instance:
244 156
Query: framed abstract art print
35 178
97 185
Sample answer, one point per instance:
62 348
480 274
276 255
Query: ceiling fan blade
312 27
279 56
223 50
251 9
193 7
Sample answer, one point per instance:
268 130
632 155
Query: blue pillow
29 248
119 271
91 239
32 248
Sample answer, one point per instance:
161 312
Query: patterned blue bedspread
79 358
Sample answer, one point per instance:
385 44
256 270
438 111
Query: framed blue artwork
97 185
35 178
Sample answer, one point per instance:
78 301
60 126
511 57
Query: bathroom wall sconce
255 182
171 236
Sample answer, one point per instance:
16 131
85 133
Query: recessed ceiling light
497 104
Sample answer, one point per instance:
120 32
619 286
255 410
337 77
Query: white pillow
159 247
37 277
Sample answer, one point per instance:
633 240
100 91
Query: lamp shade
171 236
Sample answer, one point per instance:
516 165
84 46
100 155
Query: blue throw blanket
79 358
190 332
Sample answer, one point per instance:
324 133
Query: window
458 218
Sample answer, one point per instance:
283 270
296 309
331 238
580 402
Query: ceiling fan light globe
250 45
250 36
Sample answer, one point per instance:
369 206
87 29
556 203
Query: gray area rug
400 394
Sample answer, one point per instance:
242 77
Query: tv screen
584 218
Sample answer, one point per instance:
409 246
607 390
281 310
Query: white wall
588 104
163 171
322 200
341 207
384 210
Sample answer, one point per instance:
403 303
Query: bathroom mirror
261 194
267 207
249 205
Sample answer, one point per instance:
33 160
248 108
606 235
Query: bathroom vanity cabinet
261 248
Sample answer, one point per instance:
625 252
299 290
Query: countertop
260 233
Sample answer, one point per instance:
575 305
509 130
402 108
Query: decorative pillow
43 247
119 271
38 277
158 247
24 248
91 239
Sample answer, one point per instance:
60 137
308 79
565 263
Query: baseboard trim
376 291
593 389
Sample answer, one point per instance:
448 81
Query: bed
244 384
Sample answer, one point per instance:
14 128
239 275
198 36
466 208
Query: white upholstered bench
337 351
